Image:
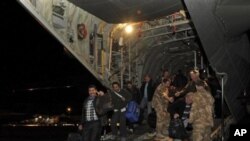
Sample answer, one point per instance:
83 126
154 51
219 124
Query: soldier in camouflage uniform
201 114
160 104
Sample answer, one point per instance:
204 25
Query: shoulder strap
119 95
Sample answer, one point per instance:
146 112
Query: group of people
191 102
93 117
193 105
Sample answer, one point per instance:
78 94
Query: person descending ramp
132 111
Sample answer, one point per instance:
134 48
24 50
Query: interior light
128 29
122 25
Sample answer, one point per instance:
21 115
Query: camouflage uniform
160 104
201 116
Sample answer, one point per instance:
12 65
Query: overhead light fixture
128 29
122 25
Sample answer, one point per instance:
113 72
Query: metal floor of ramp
141 132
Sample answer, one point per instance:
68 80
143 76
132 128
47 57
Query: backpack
132 111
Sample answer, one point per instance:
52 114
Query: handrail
217 132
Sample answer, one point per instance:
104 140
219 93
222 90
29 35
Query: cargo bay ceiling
121 11
163 37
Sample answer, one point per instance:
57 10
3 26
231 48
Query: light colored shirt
146 91
90 110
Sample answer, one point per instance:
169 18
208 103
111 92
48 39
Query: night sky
32 58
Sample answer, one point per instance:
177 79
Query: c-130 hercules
120 40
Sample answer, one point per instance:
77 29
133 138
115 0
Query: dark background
36 74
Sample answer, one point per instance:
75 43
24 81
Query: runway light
31 89
68 86
69 109
128 29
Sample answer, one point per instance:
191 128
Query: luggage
132 111
176 129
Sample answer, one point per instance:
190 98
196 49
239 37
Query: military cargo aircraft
120 40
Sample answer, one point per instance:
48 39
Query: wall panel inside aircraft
226 54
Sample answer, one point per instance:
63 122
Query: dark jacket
190 87
177 107
117 101
150 90
135 94
103 104
180 81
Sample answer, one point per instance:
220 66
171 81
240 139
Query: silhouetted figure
180 80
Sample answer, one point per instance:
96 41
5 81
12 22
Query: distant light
68 124
69 109
31 89
32 125
128 29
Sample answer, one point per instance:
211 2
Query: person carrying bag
176 129
120 99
